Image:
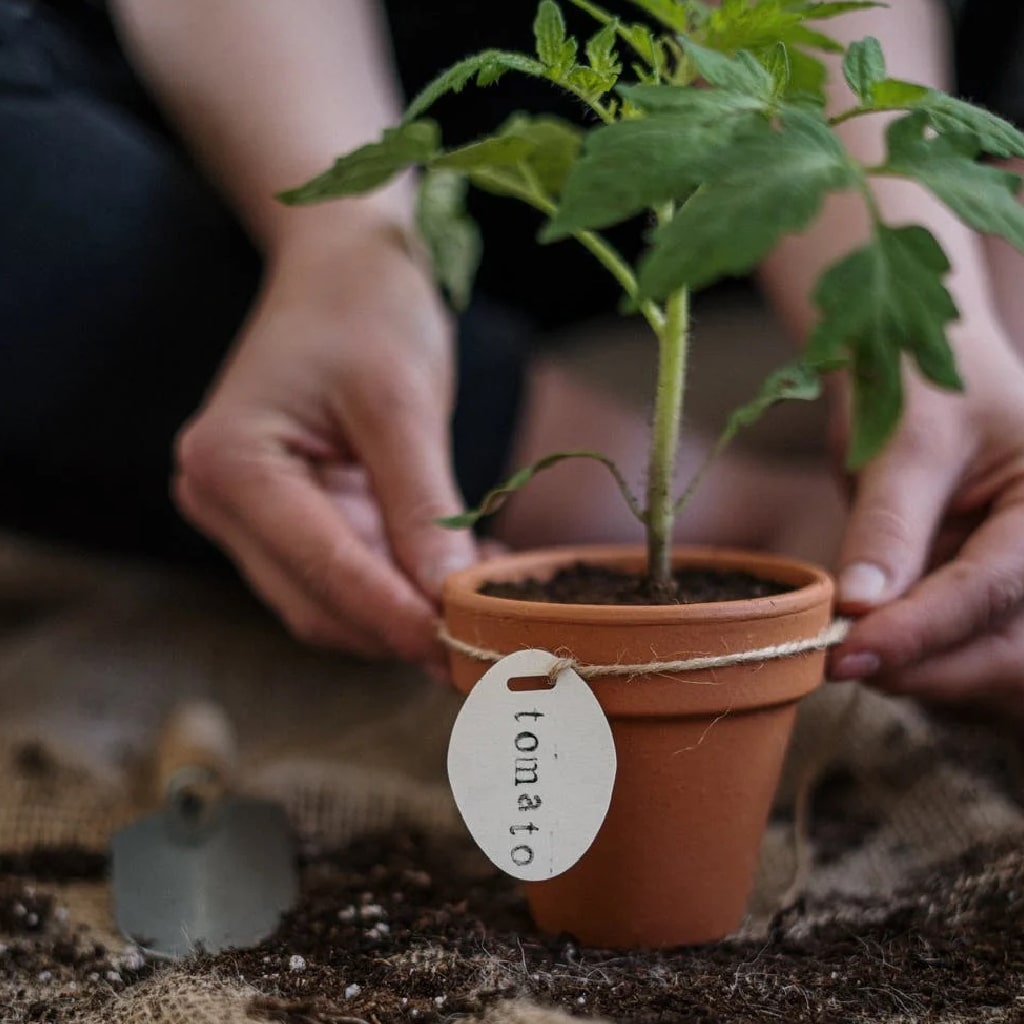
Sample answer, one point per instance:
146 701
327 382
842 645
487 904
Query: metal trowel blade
223 886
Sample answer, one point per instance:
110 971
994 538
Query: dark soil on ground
406 928
595 584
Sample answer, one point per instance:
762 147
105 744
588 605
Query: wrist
388 214
346 231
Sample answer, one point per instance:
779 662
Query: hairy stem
668 411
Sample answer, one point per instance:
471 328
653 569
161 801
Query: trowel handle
196 754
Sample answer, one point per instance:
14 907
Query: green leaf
588 83
990 133
798 381
645 45
497 497
601 51
875 304
706 106
983 197
370 166
554 147
547 148
487 67
803 36
549 31
742 73
632 166
767 183
639 37
553 48
776 63
497 149
864 68
894 94
745 26
877 400
451 237
807 79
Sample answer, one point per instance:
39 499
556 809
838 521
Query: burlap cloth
92 654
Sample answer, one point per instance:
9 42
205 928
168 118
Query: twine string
834 633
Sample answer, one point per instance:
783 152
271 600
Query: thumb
899 500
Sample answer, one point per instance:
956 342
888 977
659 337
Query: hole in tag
524 684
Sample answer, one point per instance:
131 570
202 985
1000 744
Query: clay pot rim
811 583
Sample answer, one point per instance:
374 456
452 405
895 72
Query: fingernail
861 583
857 666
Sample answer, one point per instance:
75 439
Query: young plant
720 137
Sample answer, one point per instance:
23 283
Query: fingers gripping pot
699 754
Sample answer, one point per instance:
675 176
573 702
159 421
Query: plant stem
604 253
668 410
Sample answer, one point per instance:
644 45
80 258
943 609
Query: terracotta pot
698 765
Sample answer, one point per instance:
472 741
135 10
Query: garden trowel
211 870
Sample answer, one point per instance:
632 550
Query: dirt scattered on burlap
50 970
406 928
582 583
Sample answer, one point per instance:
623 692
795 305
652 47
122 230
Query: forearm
914 38
267 93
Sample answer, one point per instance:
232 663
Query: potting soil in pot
596 584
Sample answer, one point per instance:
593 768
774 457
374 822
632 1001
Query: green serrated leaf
883 300
549 32
497 149
633 165
601 51
497 497
451 236
487 67
588 83
638 37
989 132
370 166
645 45
864 68
768 183
742 73
983 197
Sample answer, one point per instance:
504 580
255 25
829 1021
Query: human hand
933 555
320 458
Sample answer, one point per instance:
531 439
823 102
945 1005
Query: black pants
123 279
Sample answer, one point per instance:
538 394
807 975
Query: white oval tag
532 770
